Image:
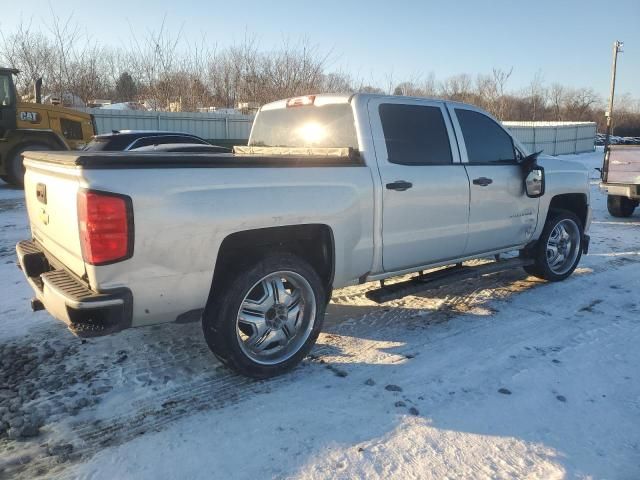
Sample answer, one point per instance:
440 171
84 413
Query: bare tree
578 103
29 51
556 97
458 87
537 95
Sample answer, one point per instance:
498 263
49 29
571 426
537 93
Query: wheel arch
576 203
312 242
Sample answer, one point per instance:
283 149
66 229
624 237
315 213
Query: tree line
162 68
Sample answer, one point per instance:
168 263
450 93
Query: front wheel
267 318
559 248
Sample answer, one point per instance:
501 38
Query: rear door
425 187
500 215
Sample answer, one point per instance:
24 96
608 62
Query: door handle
399 185
482 181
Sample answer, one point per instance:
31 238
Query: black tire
541 268
328 296
4 178
620 207
219 320
14 168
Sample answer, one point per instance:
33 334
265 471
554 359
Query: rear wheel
267 317
619 206
559 248
14 167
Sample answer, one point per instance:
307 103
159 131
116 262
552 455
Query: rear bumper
69 299
620 189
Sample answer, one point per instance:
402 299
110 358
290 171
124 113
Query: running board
442 277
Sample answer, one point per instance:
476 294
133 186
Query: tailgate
51 197
624 164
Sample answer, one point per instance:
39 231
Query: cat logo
33 117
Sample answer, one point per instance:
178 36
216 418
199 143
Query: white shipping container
210 126
555 138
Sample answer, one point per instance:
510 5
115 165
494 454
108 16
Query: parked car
332 190
124 140
183 147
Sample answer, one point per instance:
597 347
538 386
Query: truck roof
333 98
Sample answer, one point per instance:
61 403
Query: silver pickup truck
331 191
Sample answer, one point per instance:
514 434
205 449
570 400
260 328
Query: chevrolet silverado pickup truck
331 191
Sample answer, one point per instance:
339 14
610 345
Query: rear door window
415 134
486 141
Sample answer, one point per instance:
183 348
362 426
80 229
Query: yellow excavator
34 126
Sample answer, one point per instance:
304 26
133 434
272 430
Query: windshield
6 98
307 126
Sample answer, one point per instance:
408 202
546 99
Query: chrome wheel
563 246
276 317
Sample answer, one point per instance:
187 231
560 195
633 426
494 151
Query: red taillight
106 227
301 101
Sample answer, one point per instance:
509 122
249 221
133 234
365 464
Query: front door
500 215
425 197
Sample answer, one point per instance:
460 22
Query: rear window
308 126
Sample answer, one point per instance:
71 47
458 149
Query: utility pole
617 48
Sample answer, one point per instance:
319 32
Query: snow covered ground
499 377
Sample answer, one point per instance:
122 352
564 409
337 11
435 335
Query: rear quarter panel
181 217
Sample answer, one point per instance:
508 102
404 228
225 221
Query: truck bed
623 166
183 207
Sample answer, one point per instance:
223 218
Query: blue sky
567 41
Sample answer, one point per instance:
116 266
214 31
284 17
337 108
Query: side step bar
442 277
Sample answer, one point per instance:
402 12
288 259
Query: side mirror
534 183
